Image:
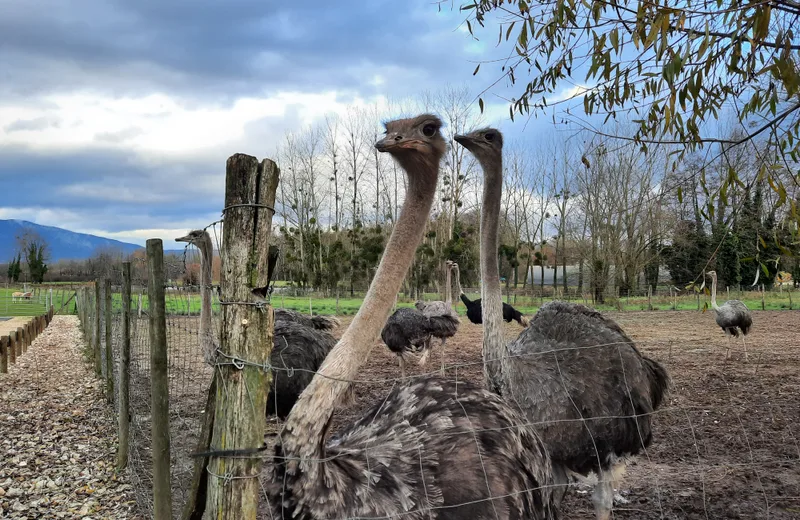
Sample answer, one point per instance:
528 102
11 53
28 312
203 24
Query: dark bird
732 316
569 365
443 319
407 330
428 450
475 311
300 342
326 323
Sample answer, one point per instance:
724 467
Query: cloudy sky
116 117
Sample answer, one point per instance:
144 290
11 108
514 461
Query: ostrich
571 363
443 318
325 323
407 330
732 316
415 454
474 312
300 343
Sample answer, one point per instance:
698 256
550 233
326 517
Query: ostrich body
475 309
443 319
732 316
570 364
300 343
326 323
415 454
407 330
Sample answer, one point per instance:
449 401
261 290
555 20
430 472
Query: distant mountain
62 244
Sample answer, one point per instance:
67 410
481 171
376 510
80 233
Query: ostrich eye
489 137
428 130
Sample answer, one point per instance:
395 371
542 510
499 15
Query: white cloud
156 123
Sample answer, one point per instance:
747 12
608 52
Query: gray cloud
38 123
119 136
227 49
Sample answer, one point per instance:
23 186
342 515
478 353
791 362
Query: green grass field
179 303
36 306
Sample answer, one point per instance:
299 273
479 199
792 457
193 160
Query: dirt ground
725 441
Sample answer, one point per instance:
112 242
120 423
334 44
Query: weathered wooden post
124 370
109 351
20 340
98 367
159 383
247 329
4 354
12 346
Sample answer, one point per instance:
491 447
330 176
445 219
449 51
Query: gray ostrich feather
431 449
315 322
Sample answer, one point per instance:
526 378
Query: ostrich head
194 237
712 275
415 143
485 144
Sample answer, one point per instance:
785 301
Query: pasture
35 306
725 440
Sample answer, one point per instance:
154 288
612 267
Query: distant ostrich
17 295
569 365
428 450
315 322
475 313
443 318
300 343
732 316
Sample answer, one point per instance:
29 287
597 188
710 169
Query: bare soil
726 438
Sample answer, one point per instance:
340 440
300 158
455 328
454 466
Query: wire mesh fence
724 445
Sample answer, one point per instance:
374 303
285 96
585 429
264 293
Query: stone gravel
58 435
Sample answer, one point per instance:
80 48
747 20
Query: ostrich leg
728 349
603 495
444 340
402 362
744 342
426 352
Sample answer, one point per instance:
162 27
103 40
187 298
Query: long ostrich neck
714 293
448 292
206 259
491 293
305 427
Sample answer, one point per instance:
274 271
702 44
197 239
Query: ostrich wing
438 308
463 439
732 314
297 353
315 322
406 327
561 376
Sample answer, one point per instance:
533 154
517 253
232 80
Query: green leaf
476 69
480 104
680 194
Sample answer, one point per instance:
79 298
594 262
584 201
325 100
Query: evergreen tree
728 266
686 256
15 269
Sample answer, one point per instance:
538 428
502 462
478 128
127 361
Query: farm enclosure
725 440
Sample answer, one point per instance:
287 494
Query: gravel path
58 435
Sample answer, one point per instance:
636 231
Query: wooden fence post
159 383
4 354
241 394
109 349
763 305
13 338
98 367
124 370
